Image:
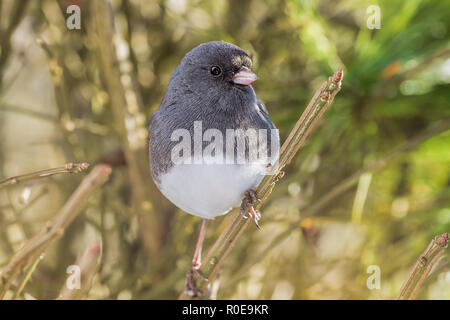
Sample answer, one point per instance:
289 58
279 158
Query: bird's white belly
209 190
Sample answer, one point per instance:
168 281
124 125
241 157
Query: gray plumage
194 94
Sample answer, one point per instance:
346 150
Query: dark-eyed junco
211 140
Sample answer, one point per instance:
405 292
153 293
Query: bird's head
217 71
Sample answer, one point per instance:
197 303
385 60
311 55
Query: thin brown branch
295 140
135 152
28 276
346 184
58 77
28 112
16 15
423 267
67 168
88 263
54 229
62 96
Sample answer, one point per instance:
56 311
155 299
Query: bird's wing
261 105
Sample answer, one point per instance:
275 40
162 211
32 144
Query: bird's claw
256 216
243 214
190 286
250 197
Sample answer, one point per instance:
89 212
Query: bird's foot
191 288
250 197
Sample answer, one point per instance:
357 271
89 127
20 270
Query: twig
229 237
346 184
58 77
139 175
54 229
88 263
16 15
28 112
28 276
423 267
442 267
67 168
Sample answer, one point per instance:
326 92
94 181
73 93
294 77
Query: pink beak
245 76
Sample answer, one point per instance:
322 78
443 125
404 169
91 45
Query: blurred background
370 187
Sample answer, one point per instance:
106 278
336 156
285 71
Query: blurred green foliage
55 108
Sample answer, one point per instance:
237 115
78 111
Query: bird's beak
244 76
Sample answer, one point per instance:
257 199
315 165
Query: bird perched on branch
211 139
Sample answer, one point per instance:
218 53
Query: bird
211 141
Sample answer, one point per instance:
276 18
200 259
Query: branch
134 149
28 276
57 72
67 168
346 184
54 229
28 112
423 267
309 118
88 263
16 15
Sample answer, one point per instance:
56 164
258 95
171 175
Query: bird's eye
215 70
